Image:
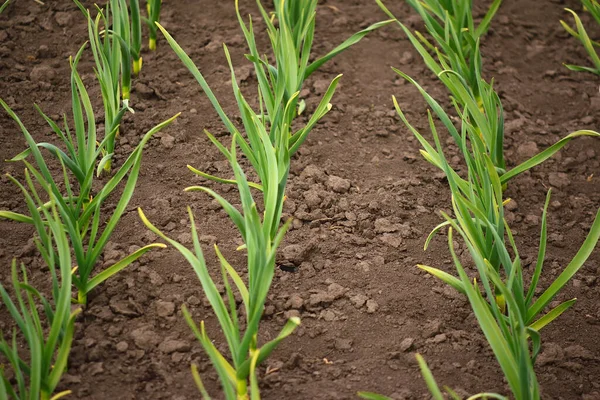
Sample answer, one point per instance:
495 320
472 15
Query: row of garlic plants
268 141
503 298
115 37
68 209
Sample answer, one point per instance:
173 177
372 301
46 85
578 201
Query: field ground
362 199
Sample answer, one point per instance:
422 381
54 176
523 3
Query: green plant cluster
73 224
502 297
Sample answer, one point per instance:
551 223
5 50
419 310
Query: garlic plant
504 304
46 326
593 7
153 8
268 144
238 373
78 204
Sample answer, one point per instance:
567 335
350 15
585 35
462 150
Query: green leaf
16 217
21 156
224 369
552 315
199 265
187 61
541 251
4 5
198 381
429 379
445 277
546 154
586 41
120 265
372 396
234 214
219 180
575 265
347 43
266 350
237 280
435 230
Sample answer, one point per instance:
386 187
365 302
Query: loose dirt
362 199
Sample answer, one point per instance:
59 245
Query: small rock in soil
165 308
269 310
156 279
295 301
559 179
336 290
144 91
343 344
378 261
591 396
372 306
392 240
551 353
312 199
337 184
103 313
595 103
167 141
314 173
94 369
407 344
364 266
292 314
124 307
114 331
514 125
578 351
243 73
359 300
170 346
557 239
293 361
112 254
439 338
528 150
208 239
145 338
407 58
193 300
42 73
122 347
320 298
327 315
307 269
512 205
63 18
296 253
383 225
68 379
185 237
431 329
532 219
320 86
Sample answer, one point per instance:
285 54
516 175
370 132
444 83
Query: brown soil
365 307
